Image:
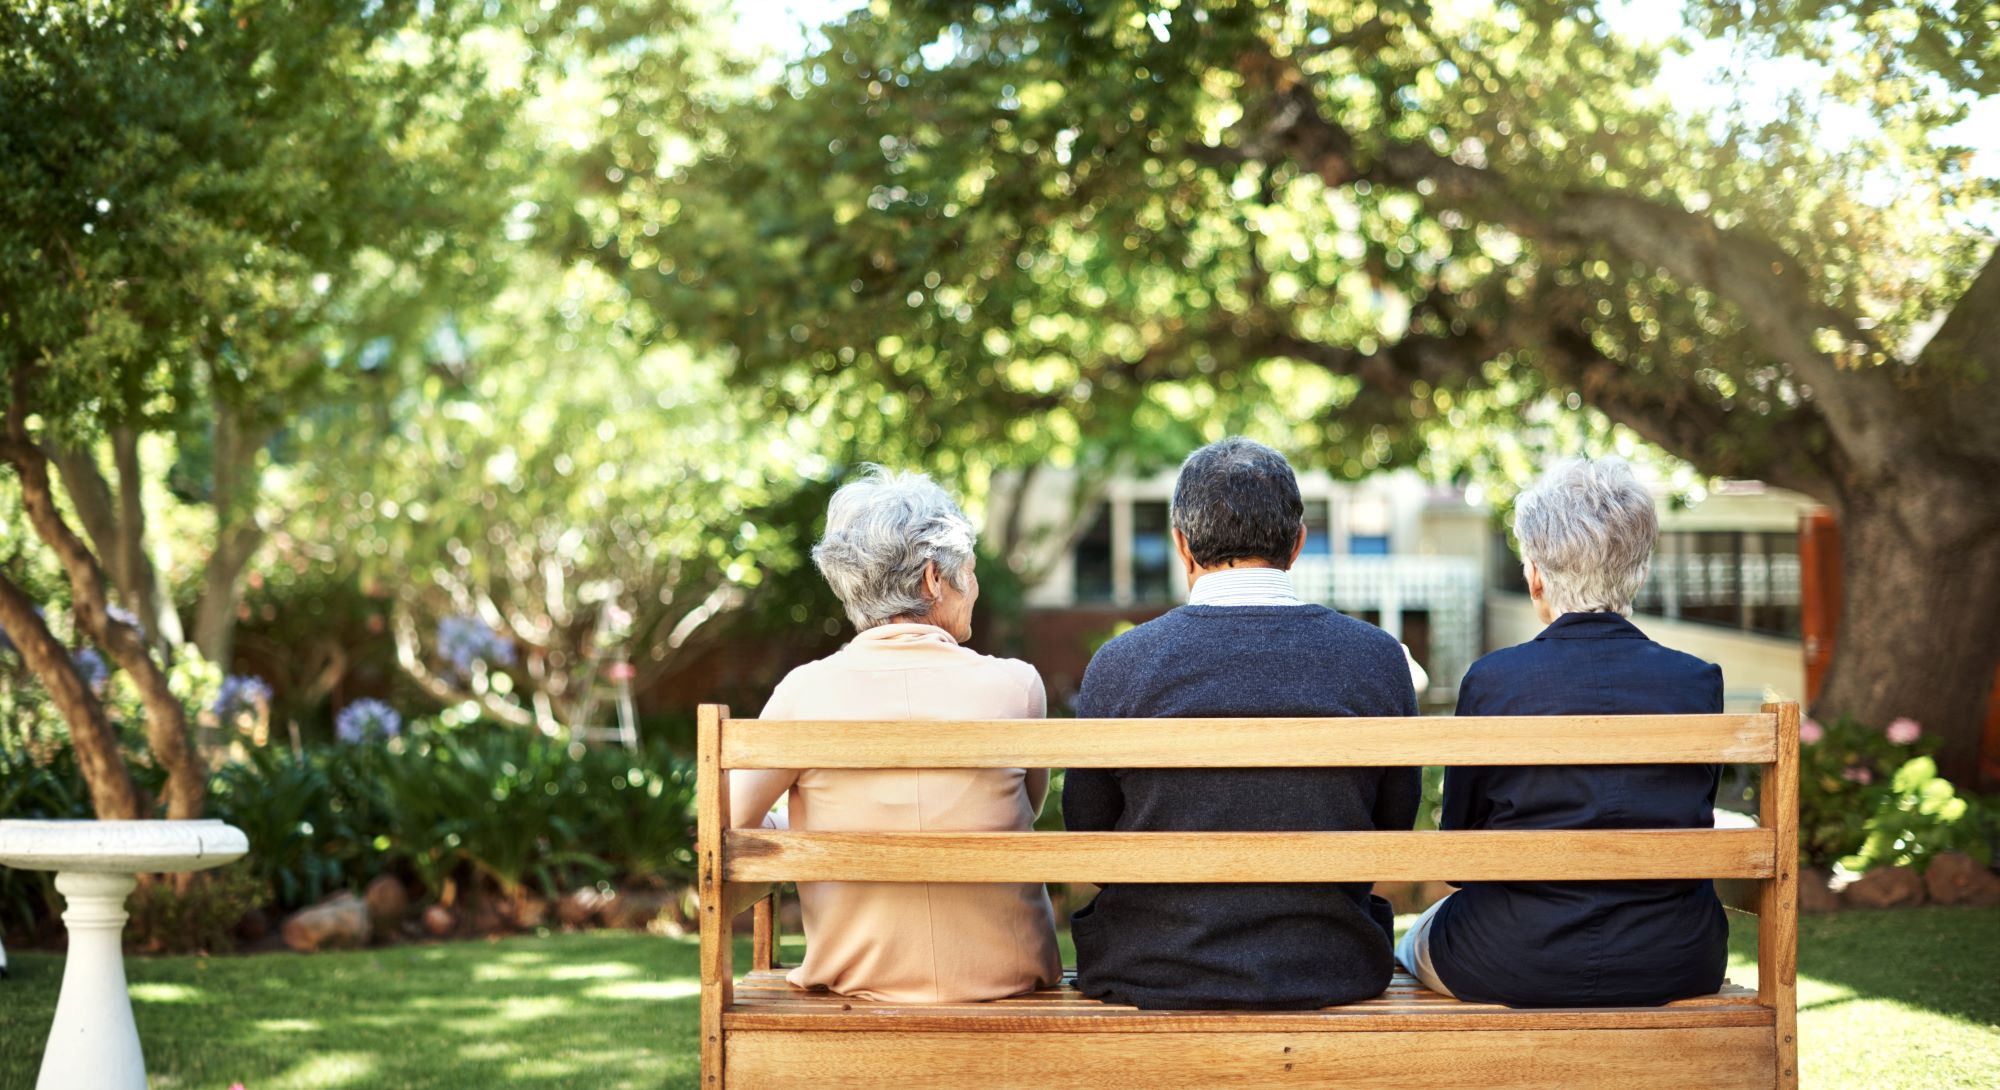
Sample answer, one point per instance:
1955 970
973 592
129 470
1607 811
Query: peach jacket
912 942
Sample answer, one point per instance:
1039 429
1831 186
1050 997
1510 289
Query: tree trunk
1920 614
221 591
166 717
112 795
136 575
237 536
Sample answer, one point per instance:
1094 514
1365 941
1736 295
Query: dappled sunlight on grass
606 1009
602 971
1903 1000
330 1071
287 1025
164 993
647 989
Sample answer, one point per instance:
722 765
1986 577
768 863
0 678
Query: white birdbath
94 1042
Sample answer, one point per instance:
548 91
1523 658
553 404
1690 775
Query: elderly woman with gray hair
899 554
1586 533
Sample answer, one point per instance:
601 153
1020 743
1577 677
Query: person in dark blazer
1586 533
1243 646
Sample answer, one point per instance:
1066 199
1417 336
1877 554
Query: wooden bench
762 1032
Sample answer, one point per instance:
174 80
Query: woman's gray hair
880 532
1588 526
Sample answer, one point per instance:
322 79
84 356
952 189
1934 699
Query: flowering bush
91 667
465 640
1870 798
241 694
365 719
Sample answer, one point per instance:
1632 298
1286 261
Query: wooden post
1778 905
764 947
711 822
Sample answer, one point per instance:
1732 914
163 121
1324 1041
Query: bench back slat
1480 856
1259 743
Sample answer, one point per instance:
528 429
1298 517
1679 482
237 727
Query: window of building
1319 530
1152 552
1093 559
1742 579
1368 544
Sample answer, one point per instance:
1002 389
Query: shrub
1870 798
199 918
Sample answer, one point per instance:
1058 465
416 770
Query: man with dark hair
1243 646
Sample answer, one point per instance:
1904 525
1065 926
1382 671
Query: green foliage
201 918
457 807
1918 817
1867 800
304 843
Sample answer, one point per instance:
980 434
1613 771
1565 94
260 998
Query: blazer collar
1591 626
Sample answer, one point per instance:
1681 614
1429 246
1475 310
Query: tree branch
166 718
409 656
1964 356
1771 292
112 793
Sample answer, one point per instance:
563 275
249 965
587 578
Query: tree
556 499
1390 223
217 211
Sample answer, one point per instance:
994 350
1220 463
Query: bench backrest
735 867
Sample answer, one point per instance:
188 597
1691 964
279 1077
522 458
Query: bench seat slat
1248 1056
753 855
766 1001
1262 743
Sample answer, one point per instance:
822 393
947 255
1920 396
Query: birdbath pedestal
94 1042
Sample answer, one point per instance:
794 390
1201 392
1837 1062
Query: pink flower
1857 774
1810 731
1904 731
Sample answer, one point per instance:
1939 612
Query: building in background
1424 563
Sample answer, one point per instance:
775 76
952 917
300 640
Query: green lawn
1898 999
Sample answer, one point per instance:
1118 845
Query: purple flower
1857 774
91 667
463 640
365 719
1905 730
1810 731
241 693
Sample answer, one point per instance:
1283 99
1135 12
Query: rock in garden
1885 887
579 907
633 909
440 920
340 922
528 911
1815 894
1955 878
388 902
485 919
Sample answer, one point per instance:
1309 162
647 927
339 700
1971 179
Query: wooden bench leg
711 819
764 947
1778 903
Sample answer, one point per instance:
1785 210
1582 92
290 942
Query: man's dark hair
1238 500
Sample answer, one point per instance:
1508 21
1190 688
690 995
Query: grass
1905 999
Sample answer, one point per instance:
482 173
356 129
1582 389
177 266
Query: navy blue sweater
1584 944
1251 946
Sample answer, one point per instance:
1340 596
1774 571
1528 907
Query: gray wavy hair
880 532
1589 527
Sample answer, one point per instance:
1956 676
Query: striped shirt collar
1244 587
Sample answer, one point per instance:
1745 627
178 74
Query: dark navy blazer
1588 944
